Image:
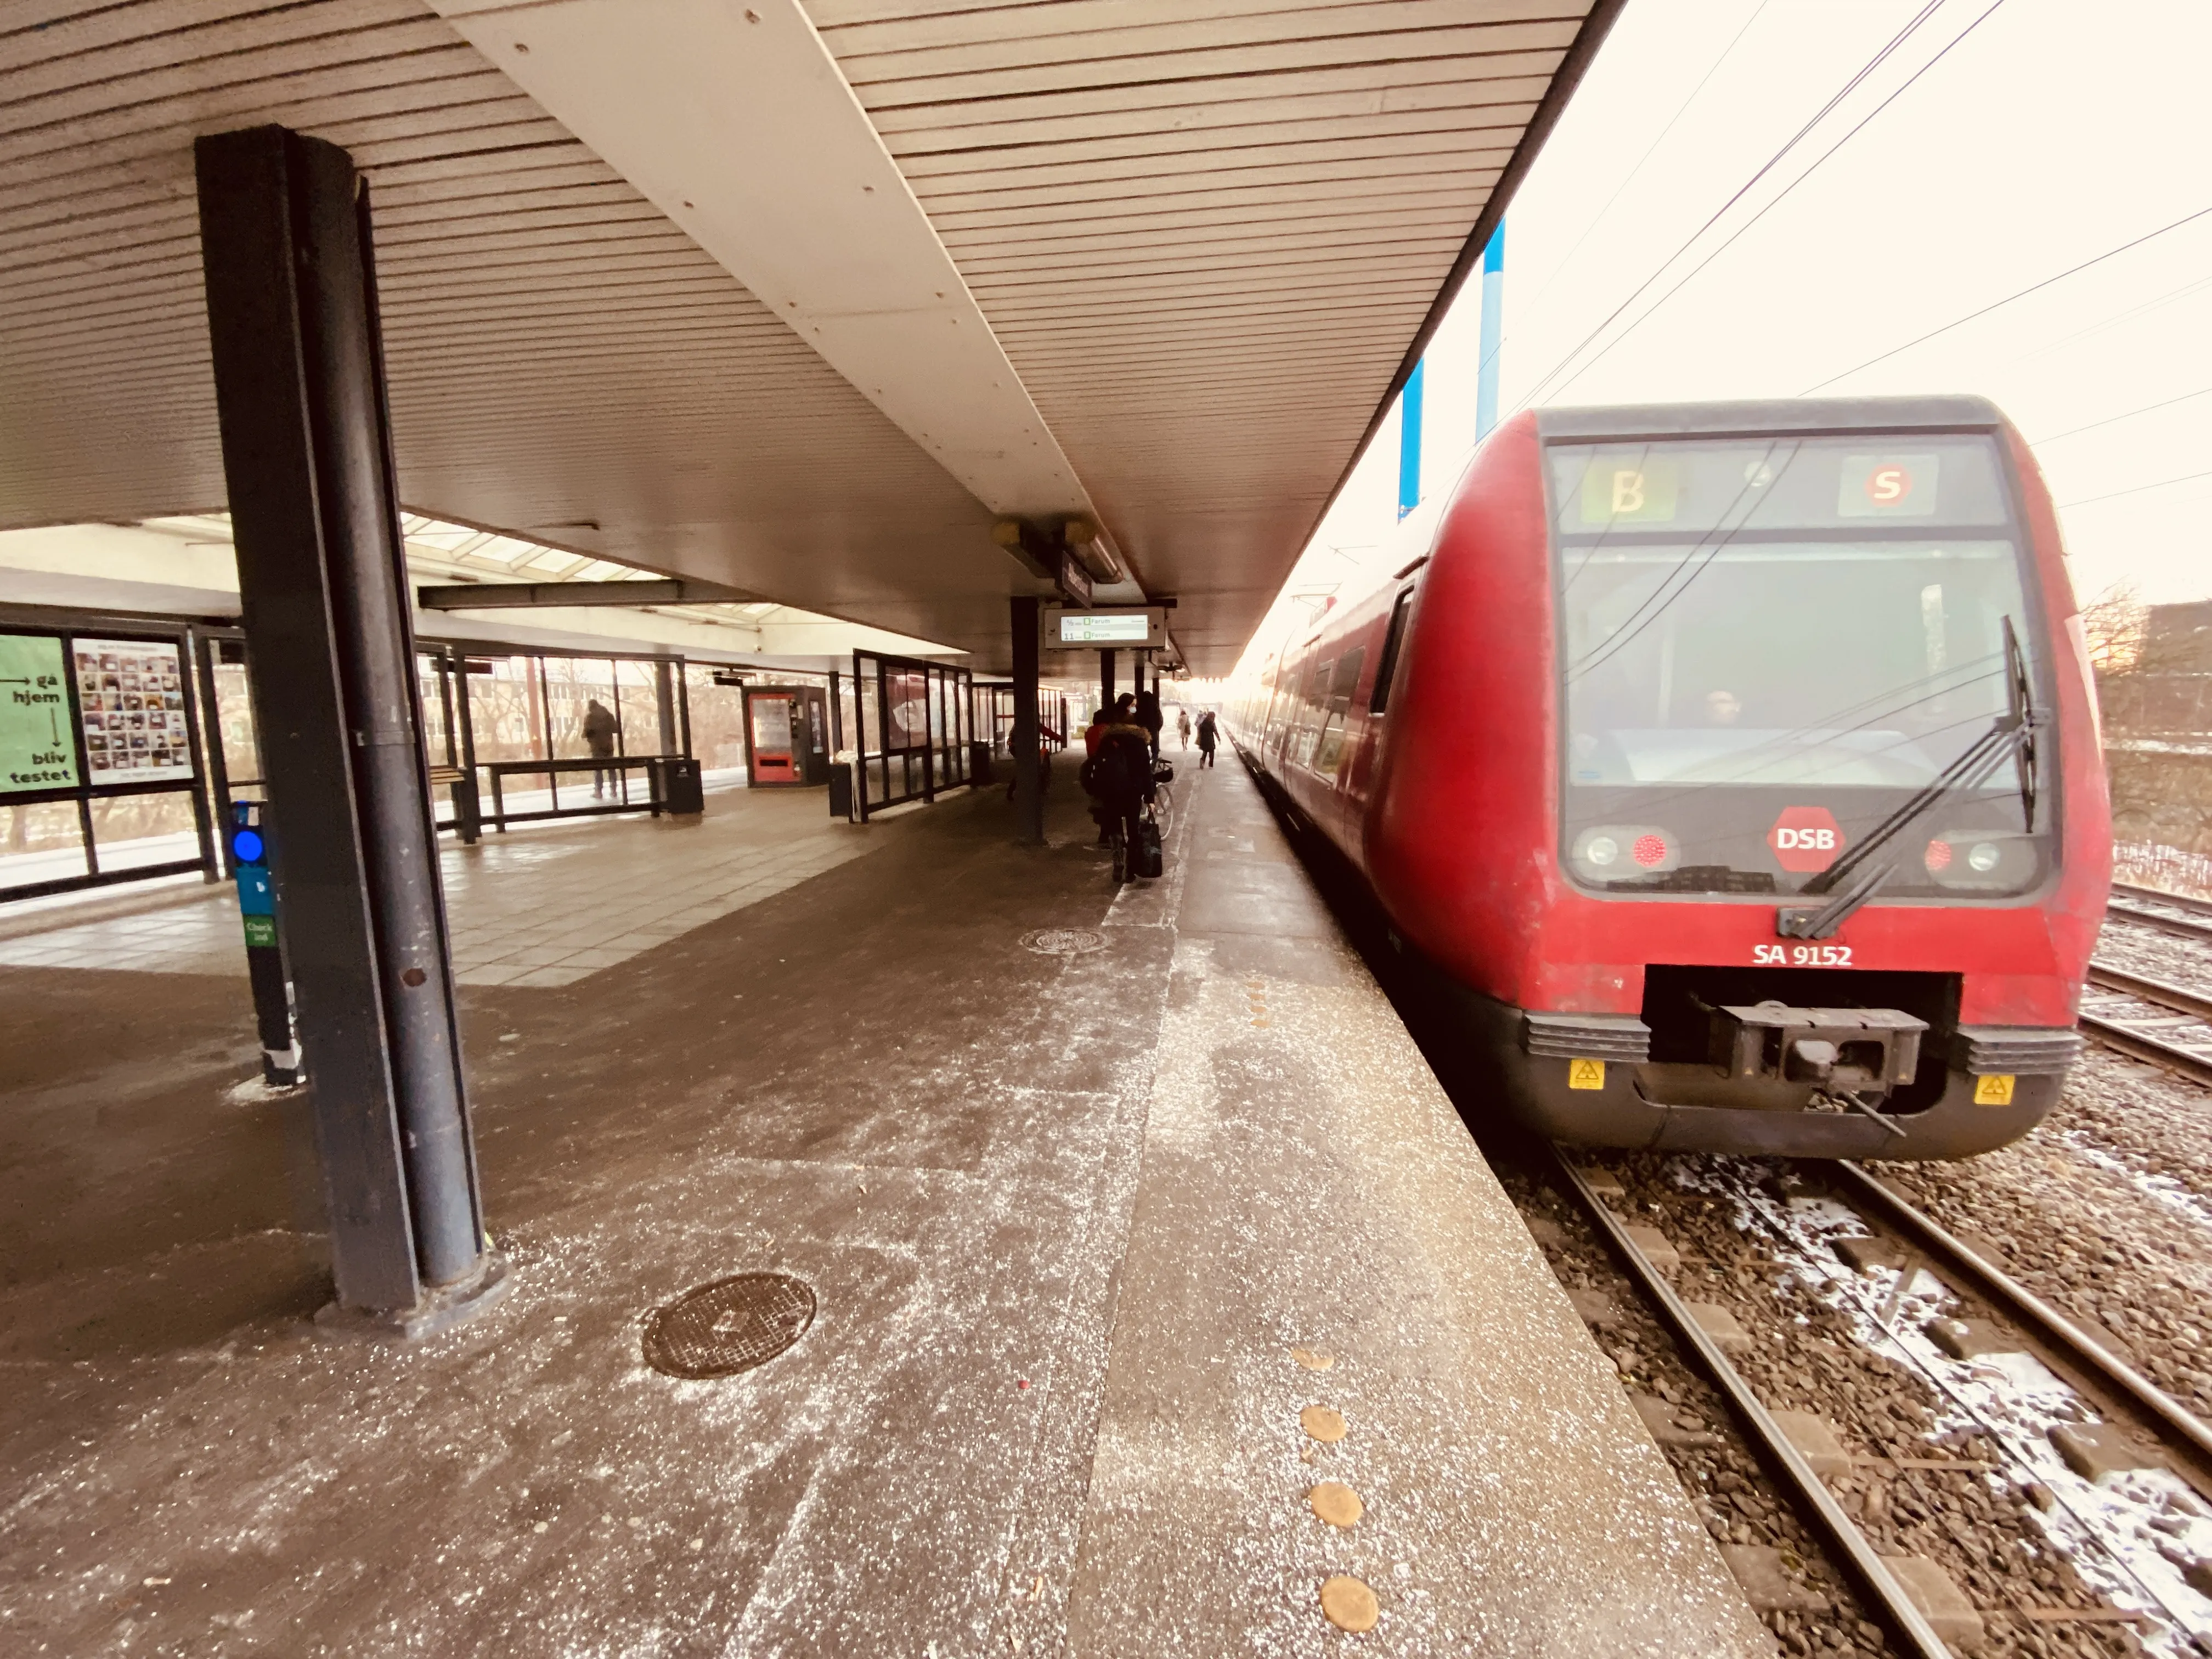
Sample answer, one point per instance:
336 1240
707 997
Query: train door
1332 748
786 739
1363 739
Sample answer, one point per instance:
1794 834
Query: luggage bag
1145 858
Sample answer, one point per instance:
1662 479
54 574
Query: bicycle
1163 796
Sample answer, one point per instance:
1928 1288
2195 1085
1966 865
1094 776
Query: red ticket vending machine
787 736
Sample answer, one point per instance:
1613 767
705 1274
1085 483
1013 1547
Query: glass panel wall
718 726
39 842
133 831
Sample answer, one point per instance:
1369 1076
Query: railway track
2151 1020
2167 913
2102 1377
2160 896
1847 1545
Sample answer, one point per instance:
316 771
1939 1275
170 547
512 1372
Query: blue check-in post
264 956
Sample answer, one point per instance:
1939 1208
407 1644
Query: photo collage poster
131 693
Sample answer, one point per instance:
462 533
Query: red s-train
1735 770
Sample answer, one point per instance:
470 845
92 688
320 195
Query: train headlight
1624 852
1983 861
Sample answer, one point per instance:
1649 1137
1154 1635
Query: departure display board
38 750
1106 630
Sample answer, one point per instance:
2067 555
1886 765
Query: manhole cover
729 1326
1064 941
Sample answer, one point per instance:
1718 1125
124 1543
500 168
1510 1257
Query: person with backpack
1208 736
1119 776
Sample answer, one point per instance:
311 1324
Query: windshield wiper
1860 874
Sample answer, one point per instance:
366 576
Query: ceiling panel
561 355
1204 232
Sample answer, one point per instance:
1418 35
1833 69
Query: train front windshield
1769 646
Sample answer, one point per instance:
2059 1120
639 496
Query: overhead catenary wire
2128 415
1998 305
1772 162
1781 195
1650 150
2137 489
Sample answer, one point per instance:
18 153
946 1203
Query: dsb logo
1806 839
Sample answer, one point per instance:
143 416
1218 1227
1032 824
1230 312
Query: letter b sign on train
1806 838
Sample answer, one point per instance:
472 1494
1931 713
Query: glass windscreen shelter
914 720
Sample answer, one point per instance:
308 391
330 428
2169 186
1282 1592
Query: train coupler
1838 1050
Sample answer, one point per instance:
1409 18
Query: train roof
1949 412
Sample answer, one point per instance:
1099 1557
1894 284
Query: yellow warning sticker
1586 1074
1993 1090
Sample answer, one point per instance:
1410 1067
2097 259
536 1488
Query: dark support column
300 394
1028 779
663 682
1106 681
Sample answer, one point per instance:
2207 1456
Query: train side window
1312 695
1283 704
1392 645
1328 752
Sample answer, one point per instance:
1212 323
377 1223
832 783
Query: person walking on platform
1149 717
1182 726
1208 736
600 738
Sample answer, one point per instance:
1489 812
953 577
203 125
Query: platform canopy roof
796 299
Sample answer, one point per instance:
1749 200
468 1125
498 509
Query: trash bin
841 791
677 785
979 763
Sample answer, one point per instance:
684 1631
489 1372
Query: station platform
1096 1193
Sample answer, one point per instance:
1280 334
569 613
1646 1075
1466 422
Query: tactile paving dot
1063 941
1323 1423
1349 1604
1314 1360
1336 1504
728 1325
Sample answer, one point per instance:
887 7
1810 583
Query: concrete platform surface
545 904
1088 1233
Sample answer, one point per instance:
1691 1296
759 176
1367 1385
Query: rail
2121 1037
2160 896
1851 1548
2178 1431
2177 926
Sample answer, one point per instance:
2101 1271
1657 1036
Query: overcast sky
2052 132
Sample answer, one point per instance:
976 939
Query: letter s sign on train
1806 839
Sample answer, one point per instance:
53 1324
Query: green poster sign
37 749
